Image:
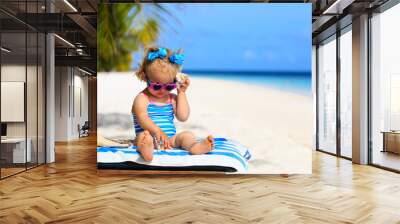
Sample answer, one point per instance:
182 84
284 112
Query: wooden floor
5 172
387 159
8 171
71 191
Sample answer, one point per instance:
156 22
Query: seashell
181 76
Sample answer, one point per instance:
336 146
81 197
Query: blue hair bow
160 53
177 58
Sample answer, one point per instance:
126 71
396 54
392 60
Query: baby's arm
181 106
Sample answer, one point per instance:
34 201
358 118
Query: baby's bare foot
145 146
203 147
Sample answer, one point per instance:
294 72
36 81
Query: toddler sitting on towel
155 107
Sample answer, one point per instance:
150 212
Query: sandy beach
276 125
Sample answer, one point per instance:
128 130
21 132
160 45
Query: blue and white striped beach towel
227 154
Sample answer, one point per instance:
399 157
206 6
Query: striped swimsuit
161 115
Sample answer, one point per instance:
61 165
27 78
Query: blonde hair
141 72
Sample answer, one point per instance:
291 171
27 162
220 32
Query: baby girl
155 108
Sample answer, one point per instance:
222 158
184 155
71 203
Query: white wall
82 82
33 126
12 73
70 83
61 103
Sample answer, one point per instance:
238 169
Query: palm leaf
121 32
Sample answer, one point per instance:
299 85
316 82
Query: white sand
276 125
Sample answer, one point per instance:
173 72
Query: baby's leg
145 145
187 141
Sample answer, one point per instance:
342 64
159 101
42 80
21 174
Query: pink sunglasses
156 86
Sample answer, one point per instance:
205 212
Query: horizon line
243 71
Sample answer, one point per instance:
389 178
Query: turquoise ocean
297 82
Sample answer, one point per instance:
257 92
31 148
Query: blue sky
240 37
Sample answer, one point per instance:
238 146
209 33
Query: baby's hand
162 139
183 85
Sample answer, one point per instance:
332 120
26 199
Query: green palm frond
121 33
